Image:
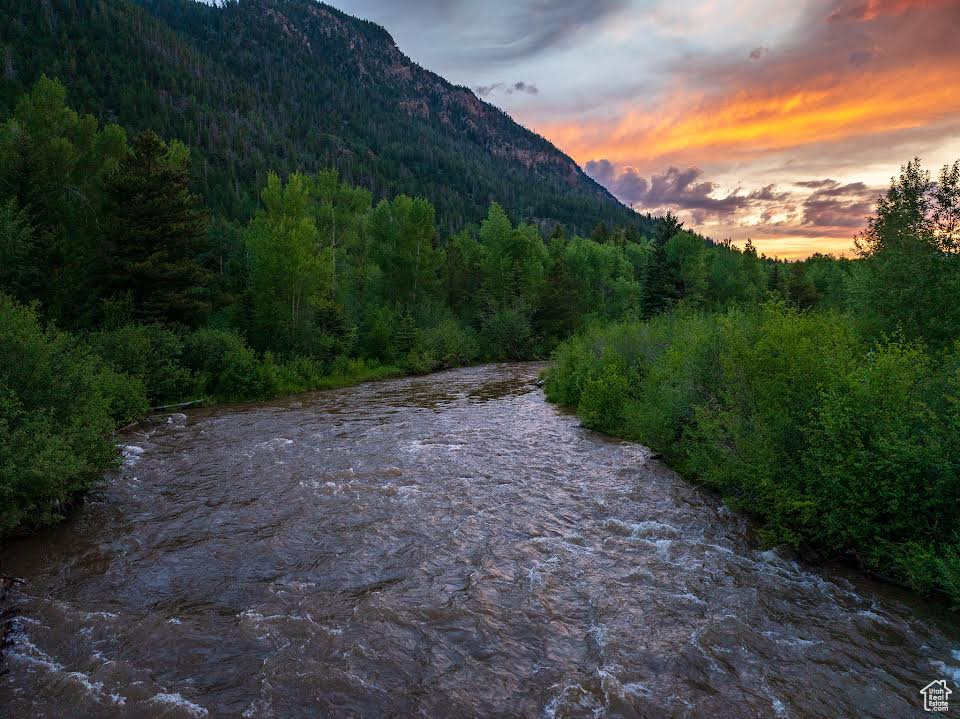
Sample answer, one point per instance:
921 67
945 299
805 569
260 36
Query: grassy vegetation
832 441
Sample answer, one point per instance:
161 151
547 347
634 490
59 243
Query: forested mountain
288 85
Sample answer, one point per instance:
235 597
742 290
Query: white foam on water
38 658
412 447
610 685
648 529
636 689
177 700
534 578
790 641
872 615
690 597
947 670
572 696
84 681
599 633
275 443
778 708
407 490
131 454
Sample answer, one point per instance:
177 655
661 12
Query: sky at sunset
776 120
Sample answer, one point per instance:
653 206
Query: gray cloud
829 45
527 88
541 24
679 189
816 205
487 31
833 204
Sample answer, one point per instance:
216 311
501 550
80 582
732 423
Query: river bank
448 544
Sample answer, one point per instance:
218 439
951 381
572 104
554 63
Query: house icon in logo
936 696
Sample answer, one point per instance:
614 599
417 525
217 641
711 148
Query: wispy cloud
527 88
715 108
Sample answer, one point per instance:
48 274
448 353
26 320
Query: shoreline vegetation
837 448
836 428
821 396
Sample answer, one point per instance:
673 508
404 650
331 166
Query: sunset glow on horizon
779 121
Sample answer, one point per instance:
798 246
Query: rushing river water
445 546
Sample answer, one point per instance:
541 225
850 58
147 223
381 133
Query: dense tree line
259 86
829 410
104 235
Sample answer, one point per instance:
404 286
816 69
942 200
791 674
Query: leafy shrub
747 439
604 395
450 344
55 422
570 367
879 464
297 374
152 353
225 365
830 442
126 396
508 335
420 360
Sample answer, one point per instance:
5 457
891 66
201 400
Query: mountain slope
261 85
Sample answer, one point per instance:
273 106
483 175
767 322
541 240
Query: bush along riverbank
831 441
62 397
107 235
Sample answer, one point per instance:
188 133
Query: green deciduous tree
54 162
291 271
910 272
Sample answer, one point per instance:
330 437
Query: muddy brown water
444 546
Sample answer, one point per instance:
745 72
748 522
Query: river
442 546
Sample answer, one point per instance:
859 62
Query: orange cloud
866 10
757 121
800 247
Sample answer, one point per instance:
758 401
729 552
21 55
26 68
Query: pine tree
156 230
600 233
656 294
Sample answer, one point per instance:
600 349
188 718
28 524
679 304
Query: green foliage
55 421
403 246
450 344
126 395
53 163
883 455
156 230
684 272
514 262
604 394
507 334
291 271
226 367
307 91
18 268
151 354
831 441
909 271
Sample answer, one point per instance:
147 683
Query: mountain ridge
286 85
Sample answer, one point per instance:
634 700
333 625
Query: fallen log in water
178 405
